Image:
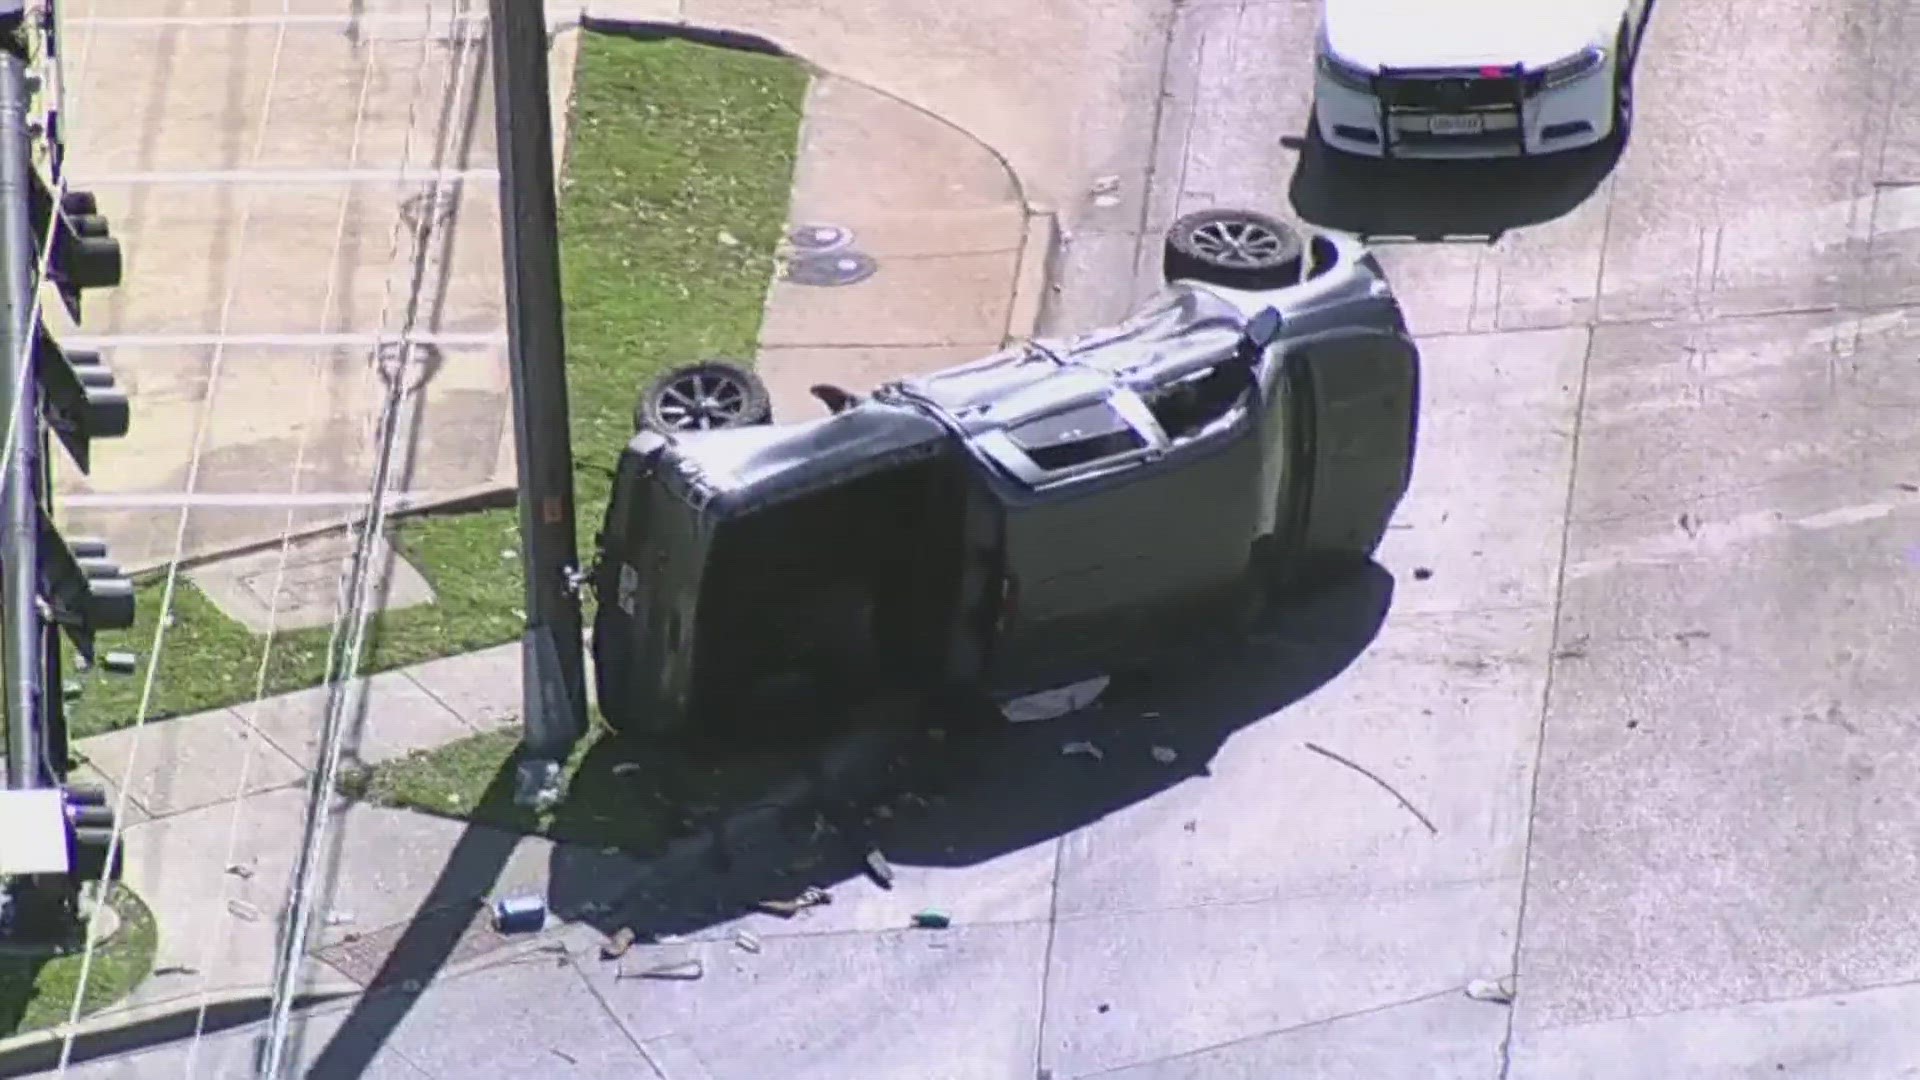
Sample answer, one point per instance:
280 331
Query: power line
344 661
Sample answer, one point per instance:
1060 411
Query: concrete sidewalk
271 237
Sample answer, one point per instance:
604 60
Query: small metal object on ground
932 920
519 914
682 971
815 239
830 269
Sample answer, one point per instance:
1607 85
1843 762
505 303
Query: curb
658 30
490 495
1039 257
141 1026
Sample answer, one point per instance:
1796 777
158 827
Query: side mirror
1263 329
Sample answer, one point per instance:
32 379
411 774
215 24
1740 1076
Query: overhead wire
344 658
343 216
202 426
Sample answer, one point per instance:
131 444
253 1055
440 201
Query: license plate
1457 125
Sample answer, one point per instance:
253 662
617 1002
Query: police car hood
1454 33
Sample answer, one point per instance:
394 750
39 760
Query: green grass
38 992
618 795
674 196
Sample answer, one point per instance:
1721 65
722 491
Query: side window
1077 437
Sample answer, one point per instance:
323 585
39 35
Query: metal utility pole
553 668
20 630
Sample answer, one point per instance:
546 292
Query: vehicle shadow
1439 200
982 790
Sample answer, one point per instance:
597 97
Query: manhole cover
843 268
813 239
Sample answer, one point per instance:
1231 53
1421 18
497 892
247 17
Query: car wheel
708 396
1235 248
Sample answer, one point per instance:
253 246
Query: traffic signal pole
553 666
21 636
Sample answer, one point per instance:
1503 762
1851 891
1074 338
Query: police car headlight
1346 73
1574 68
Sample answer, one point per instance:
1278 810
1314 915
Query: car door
1116 549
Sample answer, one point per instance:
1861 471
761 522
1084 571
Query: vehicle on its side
1061 509
1474 78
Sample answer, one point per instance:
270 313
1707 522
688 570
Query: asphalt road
1641 669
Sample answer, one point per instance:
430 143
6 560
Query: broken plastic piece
1082 748
617 944
1497 991
880 870
1053 704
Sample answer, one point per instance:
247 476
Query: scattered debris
1685 636
787 909
727 239
1106 185
120 663
1084 748
1422 573
519 914
1390 789
1191 826
1165 755
339 918
1497 991
1053 704
243 910
617 944
563 1056
746 940
1689 525
932 920
879 868
683 971
241 871
176 969
1904 486
1575 649
626 768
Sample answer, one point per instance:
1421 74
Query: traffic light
85 255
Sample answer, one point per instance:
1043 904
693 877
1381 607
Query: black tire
1622 90
708 396
1235 248
86 795
93 817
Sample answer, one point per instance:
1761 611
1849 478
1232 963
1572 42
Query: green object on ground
932 920
37 991
618 795
674 197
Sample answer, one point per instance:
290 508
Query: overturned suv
1057 510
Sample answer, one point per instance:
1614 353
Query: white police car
1474 78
